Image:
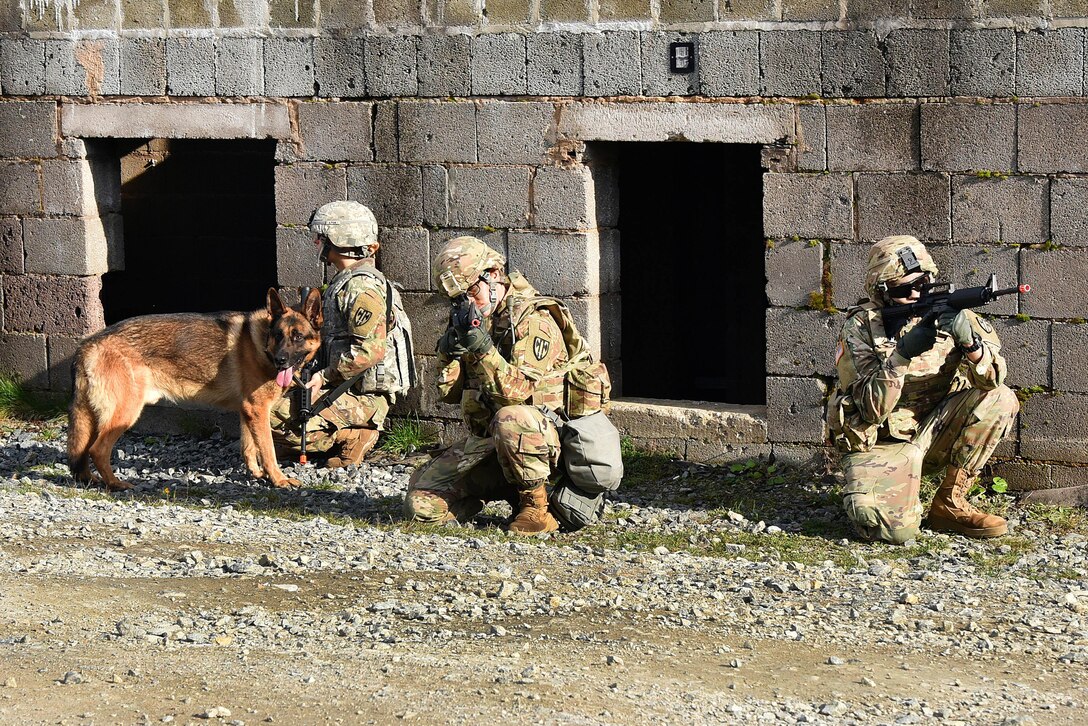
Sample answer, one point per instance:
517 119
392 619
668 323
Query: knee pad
421 505
873 524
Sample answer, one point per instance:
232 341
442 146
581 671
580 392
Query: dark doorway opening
692 271
199 227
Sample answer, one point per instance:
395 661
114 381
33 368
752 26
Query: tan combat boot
533 517
951 512
354 445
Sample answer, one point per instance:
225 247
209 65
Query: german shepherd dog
236 361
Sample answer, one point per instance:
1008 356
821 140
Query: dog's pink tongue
283 378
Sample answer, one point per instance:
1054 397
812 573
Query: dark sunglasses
906 289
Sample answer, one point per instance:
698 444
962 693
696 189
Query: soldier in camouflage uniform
500 373
933 397
353 340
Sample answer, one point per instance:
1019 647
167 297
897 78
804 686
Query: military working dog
236 361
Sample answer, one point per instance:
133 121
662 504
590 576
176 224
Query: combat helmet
894 257
462 262
348 226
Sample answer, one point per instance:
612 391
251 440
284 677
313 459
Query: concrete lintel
176 120
732 123
696 430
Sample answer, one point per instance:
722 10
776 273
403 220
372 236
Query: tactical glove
449 344
918 339
958 326
476 340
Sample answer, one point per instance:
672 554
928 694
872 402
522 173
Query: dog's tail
82 421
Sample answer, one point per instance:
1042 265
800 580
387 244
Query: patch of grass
405 436
642 467
992 562
20 403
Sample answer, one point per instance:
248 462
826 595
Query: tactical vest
397 371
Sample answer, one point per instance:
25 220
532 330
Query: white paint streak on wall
60 8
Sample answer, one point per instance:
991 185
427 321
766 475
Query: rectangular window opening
199 227
690 224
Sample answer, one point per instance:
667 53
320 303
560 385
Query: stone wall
961 122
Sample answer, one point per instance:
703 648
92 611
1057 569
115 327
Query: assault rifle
464 314
942 297
305 395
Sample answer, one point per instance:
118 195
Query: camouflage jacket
527 364
354 331
882 395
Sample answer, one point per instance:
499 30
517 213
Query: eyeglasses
906 289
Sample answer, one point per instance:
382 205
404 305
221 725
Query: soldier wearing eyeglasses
930 398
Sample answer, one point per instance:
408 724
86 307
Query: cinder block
943 9
514 132
727 63
339 65
971 266
801 342
878 9
405 257
337 131
1050 138
748 10
1025 346
1070 344
498 65
853 66
289 67
1054 427
386 114
849 263
11 247
342 15
445 65
61 351
424 400
53 304
82 68
968 137
493 196
430 318
1067 476
397 13
302 188
68 188
606 191
612 10
917 62
657 79
436 209
1050 63
795 410
1014 210
1056 278
586 312
1023 476
394 193
144 15
611 62
982 62
609 240
915 204
22 66
563 198
687 11
190 66
791 63
608 319
391 65
557 264
872 137
28 128
561 11
297 258
554 63
239 66
493 238
811 137
23 356
66 246
293 13
1069 212
794 271
437 131
808 205
143 66
20 187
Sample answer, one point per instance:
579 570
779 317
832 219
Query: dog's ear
311 308
276 308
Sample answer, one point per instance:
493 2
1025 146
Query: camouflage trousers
350 410
882 484
521 451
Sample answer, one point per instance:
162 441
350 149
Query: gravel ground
729 594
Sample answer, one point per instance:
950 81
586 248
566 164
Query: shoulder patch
984 324
361 317
541 346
